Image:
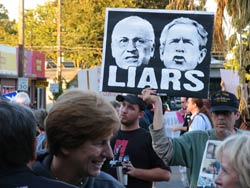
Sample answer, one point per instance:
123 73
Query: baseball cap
224 101
133 99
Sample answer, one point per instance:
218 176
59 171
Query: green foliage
3 13
8 29
240 48
239 10
185 5
152 4
41 29
82 28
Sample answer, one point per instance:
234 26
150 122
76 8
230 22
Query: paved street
175 181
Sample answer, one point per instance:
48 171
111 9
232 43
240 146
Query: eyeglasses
137 42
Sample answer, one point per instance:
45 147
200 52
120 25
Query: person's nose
179 46
131 45
108 153
123 109
220 116
217 180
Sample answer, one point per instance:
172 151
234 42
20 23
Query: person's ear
161 52
112 49
203 53
152 50
237 115
65 151
141 114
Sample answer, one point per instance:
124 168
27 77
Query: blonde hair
237 149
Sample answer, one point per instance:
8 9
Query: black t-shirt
187 118
137 145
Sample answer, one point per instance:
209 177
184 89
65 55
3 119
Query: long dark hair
202 108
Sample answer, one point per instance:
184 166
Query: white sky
12 6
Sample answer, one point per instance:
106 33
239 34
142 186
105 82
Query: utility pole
21 38
59 45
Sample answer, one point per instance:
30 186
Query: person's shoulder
104 176
105 180
200 116
197 134
26 178
143 133
240 131
50 183
42 163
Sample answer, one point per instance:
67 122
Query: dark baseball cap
133 99
224 101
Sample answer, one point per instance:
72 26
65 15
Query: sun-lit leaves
8 29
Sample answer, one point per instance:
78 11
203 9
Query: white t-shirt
200 121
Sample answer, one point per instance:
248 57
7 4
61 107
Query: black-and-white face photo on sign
183 44
166 50
132 42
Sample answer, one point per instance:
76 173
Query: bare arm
178 128
154 174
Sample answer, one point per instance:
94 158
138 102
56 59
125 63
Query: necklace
81 184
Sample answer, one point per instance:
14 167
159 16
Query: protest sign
166 50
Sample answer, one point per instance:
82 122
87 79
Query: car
68 64
50 64
175 103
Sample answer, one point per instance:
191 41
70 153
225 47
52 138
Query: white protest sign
89 79
172 118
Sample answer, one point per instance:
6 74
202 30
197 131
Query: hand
149 95
175 128
129 168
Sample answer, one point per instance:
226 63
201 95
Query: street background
175 181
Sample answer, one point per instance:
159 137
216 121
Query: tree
151 4
186 5
218 36
239 11
83 21
82 29
8 29
41 30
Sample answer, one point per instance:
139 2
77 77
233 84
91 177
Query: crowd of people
87 139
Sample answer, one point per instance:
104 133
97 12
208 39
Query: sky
12 6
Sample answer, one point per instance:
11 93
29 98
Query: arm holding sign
161 143
186 150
